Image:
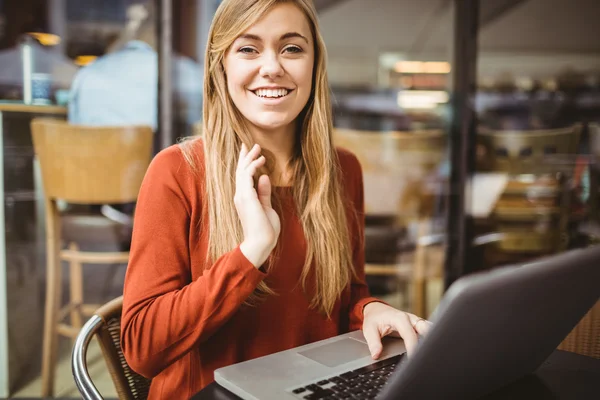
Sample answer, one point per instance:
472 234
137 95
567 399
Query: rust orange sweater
182 319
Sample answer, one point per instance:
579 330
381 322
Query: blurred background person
121 87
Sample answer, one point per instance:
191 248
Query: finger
420 325
247 156
406 331
423 326
255 165
264 190
243 154
245 177
373 338
252 154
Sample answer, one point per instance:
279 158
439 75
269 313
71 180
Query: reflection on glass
391 110
536 103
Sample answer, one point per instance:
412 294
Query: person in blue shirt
121 87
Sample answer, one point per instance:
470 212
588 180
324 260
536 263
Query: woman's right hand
260 222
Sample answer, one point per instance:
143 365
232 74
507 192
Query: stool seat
94 232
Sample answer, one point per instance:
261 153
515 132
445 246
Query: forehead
281 19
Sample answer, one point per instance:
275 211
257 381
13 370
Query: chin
271 124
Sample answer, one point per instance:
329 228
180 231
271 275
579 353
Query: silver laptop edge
489 329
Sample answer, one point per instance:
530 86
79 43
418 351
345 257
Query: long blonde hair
317 190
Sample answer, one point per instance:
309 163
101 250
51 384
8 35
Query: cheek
303 76
234 83
306 73
237 77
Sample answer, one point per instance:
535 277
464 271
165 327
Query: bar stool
83 165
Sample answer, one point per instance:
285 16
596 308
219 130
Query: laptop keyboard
362 383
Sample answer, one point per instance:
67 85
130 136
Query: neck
280 142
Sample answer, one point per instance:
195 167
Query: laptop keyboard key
348 375
299 390
322 394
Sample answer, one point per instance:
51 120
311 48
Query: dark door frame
459 229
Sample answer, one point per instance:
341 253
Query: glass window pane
391 91
537 103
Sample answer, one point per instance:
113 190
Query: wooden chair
90 166
533 212
105 325
525 152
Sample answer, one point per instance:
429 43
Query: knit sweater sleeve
165 312
359 291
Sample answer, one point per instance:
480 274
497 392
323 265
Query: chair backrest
106 324
91 165
395 149
524 152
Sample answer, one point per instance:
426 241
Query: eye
293 49
247 50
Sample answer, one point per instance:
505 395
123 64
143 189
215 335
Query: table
21 241
562 376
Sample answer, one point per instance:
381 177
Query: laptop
490 329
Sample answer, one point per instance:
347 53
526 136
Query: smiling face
269 68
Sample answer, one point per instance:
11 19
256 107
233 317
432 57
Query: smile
271 93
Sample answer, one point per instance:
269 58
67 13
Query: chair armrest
78 359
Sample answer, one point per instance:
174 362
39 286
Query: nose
271 66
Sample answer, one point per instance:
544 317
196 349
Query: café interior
398 99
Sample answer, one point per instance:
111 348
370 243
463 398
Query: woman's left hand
382 320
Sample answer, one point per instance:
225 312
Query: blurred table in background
21 245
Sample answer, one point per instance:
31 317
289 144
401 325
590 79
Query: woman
249 241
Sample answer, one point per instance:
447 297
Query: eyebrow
288 35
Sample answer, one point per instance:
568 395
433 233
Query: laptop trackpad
337 353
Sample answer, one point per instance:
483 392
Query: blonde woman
249 241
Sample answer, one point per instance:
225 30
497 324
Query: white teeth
273 93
